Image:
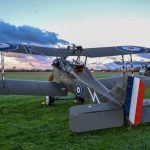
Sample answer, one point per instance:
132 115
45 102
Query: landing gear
79 100
49 100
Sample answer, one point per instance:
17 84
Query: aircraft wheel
49 100
79 100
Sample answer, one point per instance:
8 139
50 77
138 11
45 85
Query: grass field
27 124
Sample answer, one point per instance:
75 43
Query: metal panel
146 111
31 87
95 116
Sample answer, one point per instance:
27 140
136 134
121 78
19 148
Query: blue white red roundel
7 47
78 90
132 49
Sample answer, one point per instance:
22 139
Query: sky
90 23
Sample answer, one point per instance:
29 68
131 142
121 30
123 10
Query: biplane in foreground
115 100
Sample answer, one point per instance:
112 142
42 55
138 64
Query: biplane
144 70
115 100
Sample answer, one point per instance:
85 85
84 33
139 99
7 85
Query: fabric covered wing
35 50
64 52
32 87
114 51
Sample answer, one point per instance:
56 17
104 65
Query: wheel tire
82 100
49 100
79 100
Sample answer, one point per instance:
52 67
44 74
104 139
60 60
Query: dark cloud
28 34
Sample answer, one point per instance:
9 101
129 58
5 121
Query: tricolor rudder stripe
134 100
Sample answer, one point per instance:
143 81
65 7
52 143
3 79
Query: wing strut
132 70
2 67
85 61
123 67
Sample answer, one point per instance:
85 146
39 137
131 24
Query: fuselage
62 72
78 79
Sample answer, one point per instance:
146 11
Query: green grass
27 75
27 124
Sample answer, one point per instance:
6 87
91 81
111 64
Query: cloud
24 57
34 61
28 34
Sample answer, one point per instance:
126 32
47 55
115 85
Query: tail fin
134 100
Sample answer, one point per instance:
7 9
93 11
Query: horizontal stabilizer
95 116
101 116
145 79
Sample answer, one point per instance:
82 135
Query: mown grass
27 75
27 124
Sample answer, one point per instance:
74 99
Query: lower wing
32 87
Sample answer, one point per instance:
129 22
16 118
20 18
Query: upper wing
35 50
64 52
114 51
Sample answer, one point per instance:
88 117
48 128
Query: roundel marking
78 90
7 47
132 49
